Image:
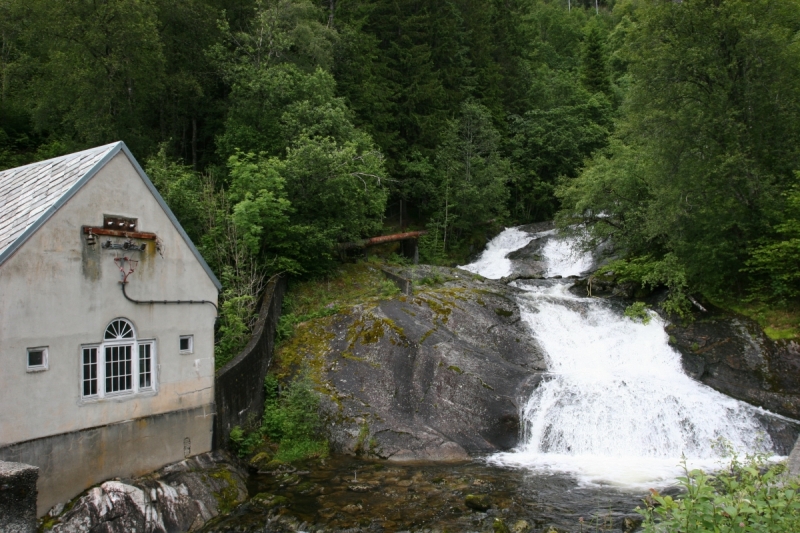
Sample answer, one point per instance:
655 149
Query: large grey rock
18 497
733 355
435 376
180 497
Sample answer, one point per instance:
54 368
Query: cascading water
616 406
493 263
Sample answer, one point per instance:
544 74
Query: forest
276 129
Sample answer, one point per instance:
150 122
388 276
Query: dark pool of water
349 494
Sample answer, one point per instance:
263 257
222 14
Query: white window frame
101 364
45 359
191 344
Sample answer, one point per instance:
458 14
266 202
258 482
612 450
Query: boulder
434 376
179 497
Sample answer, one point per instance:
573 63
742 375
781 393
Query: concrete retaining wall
405 285
72 462
18 497
239 385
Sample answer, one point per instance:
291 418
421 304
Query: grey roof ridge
119 146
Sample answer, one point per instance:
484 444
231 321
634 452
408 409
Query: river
615 416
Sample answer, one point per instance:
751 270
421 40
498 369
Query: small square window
187 343
37 359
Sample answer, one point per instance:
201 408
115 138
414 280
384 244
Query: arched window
121 364
119 329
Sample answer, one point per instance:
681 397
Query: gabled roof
30 195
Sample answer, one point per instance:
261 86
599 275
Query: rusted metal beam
119 233
395 237
381 239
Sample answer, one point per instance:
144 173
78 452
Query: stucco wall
56 291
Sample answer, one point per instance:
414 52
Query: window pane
145 357
36 358
89 371
118 368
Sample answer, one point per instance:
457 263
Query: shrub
748 495
291 419
638 312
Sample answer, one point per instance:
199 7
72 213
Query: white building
94 385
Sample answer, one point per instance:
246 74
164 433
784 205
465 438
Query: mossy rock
261 461
499 526
478 502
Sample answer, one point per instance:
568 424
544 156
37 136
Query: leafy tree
708 140
594 62
97 70
774 262
472 176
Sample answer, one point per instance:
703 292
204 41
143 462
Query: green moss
306 350
228 496
484 384
369 329
455 369
778 321
427 334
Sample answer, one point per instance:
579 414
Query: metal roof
30 195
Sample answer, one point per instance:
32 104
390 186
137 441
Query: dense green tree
96 70
594 64
709 138
471 174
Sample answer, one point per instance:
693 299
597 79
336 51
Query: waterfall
616 406
492 263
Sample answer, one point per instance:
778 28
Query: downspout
164 302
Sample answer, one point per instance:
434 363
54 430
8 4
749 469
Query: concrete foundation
70 463
18 497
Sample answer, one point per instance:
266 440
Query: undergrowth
351 284
749 495
291 420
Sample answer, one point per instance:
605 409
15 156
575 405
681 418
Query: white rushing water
616 407
492 263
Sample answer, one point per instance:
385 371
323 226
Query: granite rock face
18 497
733 355
180 497
433 376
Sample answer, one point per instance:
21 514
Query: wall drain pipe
121 263
164 302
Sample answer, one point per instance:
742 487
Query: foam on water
616 407
493 263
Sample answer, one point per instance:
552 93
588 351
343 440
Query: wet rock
352 508
437 376
361 488
478 502
733 355
631 523
180 497
498 526
521 526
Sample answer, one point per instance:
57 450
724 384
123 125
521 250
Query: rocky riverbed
354 495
